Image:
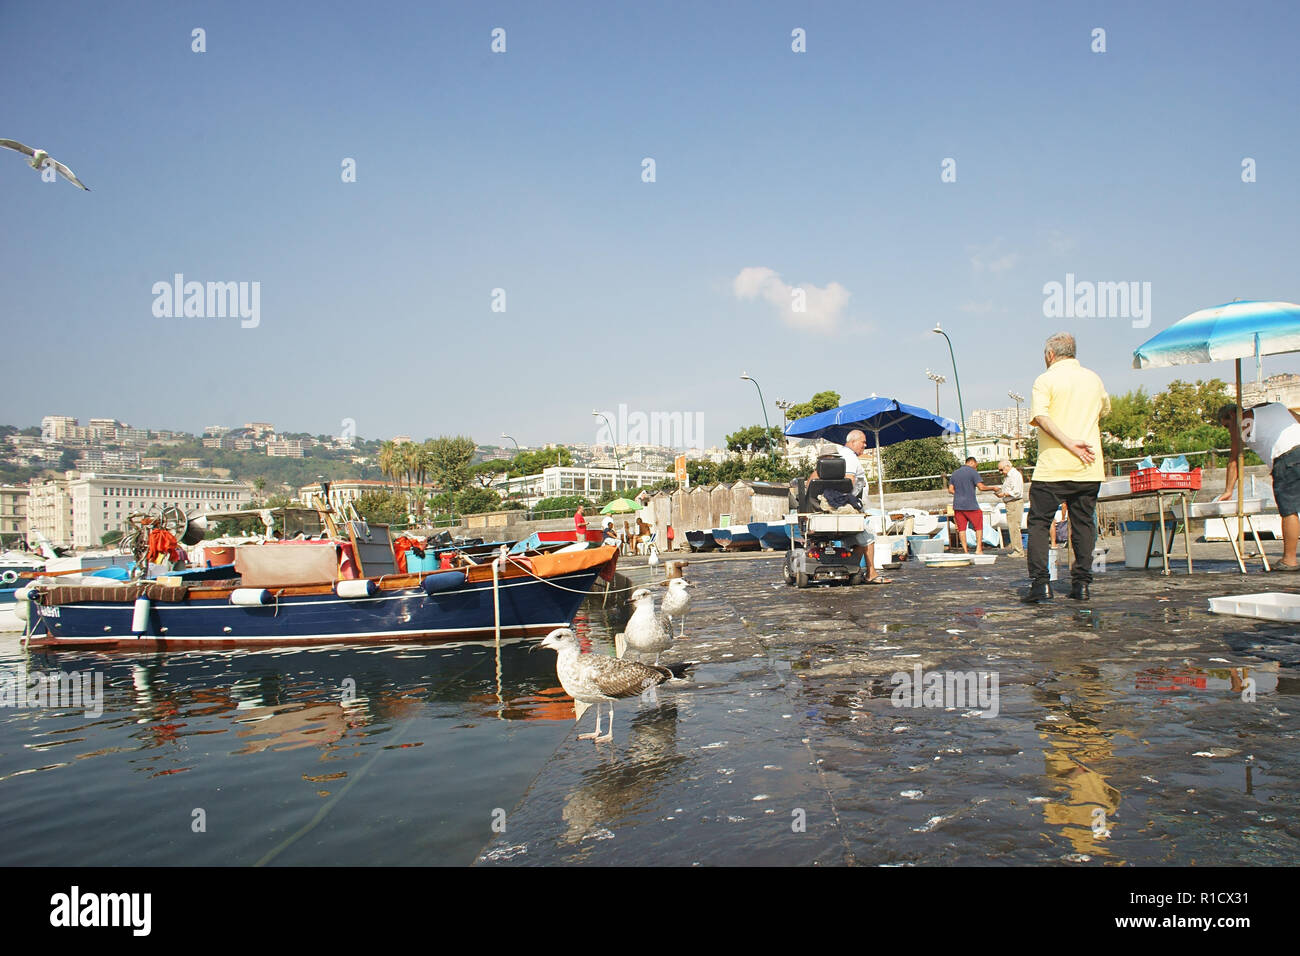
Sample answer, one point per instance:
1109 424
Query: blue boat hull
528 606
734 539
701 541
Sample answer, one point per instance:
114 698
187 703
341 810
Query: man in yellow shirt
1068 404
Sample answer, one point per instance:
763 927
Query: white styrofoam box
1206 509
821 524
983 558
1269 606
1225 529
1114 488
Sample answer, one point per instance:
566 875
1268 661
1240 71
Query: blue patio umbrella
885 421
1234 330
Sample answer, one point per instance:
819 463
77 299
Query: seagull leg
609 735
596 734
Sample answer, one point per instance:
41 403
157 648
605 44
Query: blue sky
523 171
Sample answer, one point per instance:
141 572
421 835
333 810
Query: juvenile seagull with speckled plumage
596 679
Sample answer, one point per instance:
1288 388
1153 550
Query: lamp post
767 428
938 380
614 440
504 435
1019 400
961 408
785 409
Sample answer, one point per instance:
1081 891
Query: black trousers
1044 498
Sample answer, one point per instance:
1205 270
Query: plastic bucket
1135 535
216 557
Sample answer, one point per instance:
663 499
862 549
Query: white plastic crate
1114 488
1269 606
1208 509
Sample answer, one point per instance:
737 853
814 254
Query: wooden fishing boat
533 595
345 586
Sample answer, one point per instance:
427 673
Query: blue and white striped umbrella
1235 330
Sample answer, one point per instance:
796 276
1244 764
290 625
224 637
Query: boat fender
443 581
140 619
9 577
23 593
23 610
250 597
352 590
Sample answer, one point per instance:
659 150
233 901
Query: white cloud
1058 243
990 258
804 306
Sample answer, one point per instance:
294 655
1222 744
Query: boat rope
529 572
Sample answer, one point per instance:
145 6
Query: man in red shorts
965 506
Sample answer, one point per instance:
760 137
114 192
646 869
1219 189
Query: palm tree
388 460
410 464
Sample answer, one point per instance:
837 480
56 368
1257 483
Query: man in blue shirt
965 506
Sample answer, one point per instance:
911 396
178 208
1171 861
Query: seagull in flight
596 679
40 157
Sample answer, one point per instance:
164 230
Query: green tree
765 468
532 462
382 507
913 459
1130 415
473 501
754 438
1182 407
564 503
448 461
485 472
821 402
110 538
1031 453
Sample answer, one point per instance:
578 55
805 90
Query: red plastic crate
1153 479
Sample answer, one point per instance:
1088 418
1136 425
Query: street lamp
767 428
785 410
614 440
957 381
1018 399
938 380
504 435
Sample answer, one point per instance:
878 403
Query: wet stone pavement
1136 729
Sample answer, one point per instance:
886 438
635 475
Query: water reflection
277 700
626 785
1077 751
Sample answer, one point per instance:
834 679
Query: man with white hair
1068 404
1012 492
864 548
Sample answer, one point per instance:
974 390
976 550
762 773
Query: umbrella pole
1241 476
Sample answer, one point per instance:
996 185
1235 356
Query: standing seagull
39 157
645 632
595 678
676 603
